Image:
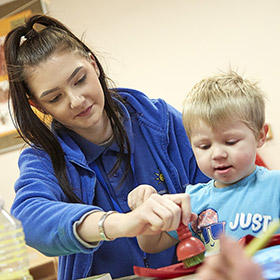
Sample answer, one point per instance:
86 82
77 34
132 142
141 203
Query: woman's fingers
184 202
170 201
139 195
160 212
167 211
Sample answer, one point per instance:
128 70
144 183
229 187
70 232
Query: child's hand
139 195
230 264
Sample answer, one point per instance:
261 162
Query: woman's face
67 87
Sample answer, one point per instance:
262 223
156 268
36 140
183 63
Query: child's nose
219 152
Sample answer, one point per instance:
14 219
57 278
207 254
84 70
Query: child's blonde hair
217 99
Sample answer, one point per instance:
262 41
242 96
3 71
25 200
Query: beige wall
9 173
163 47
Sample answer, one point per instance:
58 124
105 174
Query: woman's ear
262 136
35 105
94 64
32 103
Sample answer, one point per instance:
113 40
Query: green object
260 241
194 260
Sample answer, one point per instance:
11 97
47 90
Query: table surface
135 277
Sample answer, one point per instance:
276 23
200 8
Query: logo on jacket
159 177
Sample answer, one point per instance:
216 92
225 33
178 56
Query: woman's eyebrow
68 80
48 91
74 73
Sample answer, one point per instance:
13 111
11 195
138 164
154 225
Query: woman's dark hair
26 47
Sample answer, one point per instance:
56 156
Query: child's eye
204 147
81 80
231 142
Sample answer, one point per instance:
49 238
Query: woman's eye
81 80
55 99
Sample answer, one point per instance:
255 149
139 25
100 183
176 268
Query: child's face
67 87
227 153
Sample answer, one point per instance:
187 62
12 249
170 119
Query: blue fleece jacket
48 218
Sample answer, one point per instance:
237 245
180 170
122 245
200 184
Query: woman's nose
75 100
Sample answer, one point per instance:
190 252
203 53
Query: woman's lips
84 113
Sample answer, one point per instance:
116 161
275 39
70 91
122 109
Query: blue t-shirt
246 207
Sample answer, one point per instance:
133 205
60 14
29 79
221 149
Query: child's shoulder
190 189
267 174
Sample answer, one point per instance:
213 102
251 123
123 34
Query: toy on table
190 249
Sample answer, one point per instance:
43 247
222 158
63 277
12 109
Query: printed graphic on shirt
159 177
256 222
209 229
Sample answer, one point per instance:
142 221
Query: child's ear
262 136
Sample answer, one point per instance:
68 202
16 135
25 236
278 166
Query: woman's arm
156 214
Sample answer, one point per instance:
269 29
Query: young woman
101 144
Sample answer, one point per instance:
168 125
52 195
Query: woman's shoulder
136 97
149 108
30 154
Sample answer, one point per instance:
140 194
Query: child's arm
156 243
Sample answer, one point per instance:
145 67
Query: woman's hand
157 213
143 192
230 264
139 195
